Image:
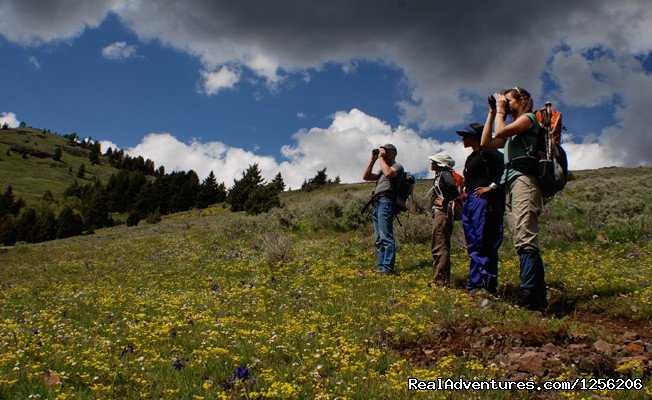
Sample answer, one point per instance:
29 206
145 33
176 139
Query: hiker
524 201
444 191
482 213
387 180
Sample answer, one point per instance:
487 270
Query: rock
549 348
630 336
486 330
531 362
428 352
634 349
603 347
578 346
594 363
579 337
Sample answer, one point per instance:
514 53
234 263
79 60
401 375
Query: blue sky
218 85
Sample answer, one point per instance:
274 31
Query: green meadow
212 304
32 176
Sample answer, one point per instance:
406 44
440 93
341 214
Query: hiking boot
532 299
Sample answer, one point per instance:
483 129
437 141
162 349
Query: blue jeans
383 219
482 220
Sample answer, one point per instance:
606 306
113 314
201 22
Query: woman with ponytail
524 201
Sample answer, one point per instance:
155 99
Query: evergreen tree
239 193
45 227
7 231
69 224
48 197
95 209
316 182
81 171
8 205
262 199
95 153
278 182
249 194
24 224
57 154
184 188
210 192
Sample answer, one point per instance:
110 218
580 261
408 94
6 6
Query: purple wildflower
242 373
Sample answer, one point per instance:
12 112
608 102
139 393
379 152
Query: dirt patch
616 326
534 352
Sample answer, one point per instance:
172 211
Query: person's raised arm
386 169
368 174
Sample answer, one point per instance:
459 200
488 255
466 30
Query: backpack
546 159
404 191
457 203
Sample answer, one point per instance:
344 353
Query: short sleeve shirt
384 183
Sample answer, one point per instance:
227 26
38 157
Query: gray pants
524 205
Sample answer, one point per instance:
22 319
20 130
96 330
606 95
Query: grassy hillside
178 309
33 175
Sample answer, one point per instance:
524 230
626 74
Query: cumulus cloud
33 22
119 51
105 144
343 148
451 57
214 82
9 118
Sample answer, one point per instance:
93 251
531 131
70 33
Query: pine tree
7 230
251 195
8 204
95 153
239 193
81 171
69 223
278 182
210 192
57 154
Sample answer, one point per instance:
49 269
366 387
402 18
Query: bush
277 247
154 218
416 228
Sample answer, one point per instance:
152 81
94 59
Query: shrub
414 228
277 247
154 218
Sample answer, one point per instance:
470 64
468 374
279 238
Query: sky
296 86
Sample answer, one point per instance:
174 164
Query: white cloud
10 119
444 79
33 61
119 51
105 144
343 148
214 82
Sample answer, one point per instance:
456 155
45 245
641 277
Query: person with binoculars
387 181
524 200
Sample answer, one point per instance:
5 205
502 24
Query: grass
31 177
171 310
